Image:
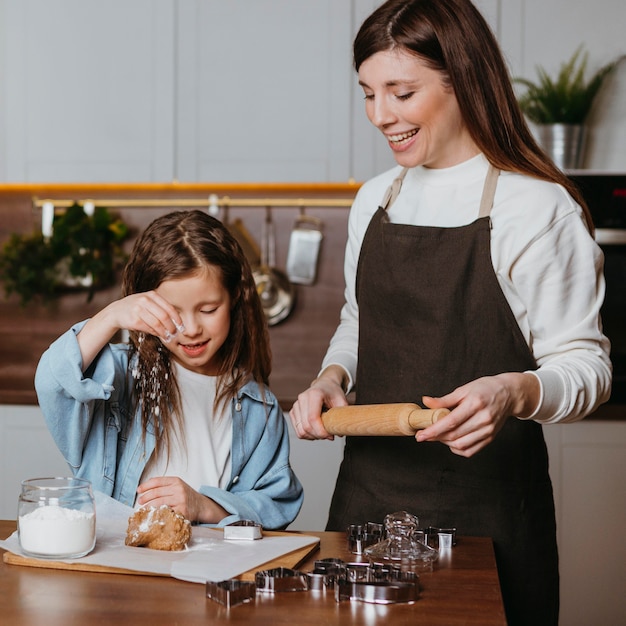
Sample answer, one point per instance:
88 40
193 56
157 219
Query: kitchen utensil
402 548
249 246
243 529
231 592
380 419
281 579
377 592
274 287
360 536
239 231
304 247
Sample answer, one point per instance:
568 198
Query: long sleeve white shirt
547 264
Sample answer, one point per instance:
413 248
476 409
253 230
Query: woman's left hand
176 493
479 409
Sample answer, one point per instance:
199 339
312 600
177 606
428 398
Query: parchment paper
208 557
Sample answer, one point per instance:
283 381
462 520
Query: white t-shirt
548 267
200 455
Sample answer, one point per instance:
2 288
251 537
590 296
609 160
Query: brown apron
432 317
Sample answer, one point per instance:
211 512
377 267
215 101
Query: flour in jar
55 531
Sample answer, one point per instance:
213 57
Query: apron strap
486 201
393 190
489 191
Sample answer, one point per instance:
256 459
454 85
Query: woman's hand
325 391
177 494
479 409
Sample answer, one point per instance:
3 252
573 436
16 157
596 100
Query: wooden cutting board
290 560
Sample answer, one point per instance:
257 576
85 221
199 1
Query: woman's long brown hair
178 245
452 37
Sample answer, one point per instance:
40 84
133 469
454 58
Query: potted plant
559 107
83 251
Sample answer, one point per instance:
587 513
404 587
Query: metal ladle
276 291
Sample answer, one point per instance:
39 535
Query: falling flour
54 531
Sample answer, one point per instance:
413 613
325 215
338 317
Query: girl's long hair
178 245
452 37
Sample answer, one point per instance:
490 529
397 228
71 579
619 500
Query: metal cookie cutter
376 573
360 536
325 573
377 592
280 579
231 592
243 529
441 538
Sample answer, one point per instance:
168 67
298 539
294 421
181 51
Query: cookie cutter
377 592
231 592
441 538
280 579
376 572
382 572
360 536
243 529
317 581
325 572
357 572
329 565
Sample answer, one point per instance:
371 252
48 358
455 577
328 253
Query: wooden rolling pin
380 419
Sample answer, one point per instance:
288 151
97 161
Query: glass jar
56 518
402 550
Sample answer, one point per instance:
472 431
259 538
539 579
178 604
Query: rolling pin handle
422 418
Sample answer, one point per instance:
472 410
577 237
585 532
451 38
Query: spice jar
56 518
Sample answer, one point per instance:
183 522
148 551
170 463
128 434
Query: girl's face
204 306
418 114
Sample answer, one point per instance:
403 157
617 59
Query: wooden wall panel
298 343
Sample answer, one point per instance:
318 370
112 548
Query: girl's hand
143 312
479 409
146 312
177 494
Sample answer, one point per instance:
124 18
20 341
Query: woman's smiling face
204 306
416 111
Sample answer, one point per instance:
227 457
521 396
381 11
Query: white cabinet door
588 466
88 90
26 451
263 90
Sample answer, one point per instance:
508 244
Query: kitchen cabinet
587 467
253 90
160 90
87 90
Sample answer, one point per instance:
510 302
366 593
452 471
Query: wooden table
463 589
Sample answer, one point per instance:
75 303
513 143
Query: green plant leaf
80 245
566 99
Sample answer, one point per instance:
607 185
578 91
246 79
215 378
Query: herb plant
81 245
566 99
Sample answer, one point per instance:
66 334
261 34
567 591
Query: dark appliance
605 194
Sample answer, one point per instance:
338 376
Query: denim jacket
89 417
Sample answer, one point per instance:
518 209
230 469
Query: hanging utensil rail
206 202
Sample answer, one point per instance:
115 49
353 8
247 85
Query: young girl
182 414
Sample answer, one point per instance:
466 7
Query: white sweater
548 267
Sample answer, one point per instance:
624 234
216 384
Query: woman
181 415
472 283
